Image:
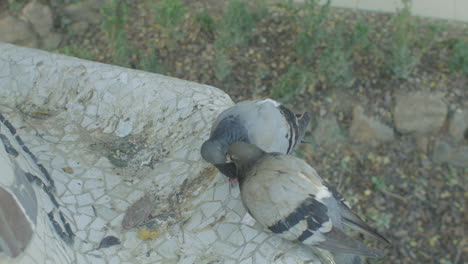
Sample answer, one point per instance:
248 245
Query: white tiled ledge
74 115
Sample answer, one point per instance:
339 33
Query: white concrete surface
443 9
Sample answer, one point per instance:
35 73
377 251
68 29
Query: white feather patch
275 103
326 227
295 231
322 193
315 239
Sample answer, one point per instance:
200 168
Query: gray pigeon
287 196
265 123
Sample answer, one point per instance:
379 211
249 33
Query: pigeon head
244 154
214 151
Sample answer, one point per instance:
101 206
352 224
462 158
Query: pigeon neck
230 130
244 167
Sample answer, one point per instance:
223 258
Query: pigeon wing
280 197
286 195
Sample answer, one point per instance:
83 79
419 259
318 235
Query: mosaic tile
82 221
207 236
84 199
75 186
248 250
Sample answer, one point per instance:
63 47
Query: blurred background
388 90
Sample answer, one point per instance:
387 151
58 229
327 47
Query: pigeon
265 123
287 196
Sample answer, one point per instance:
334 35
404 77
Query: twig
394 195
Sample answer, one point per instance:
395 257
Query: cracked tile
75 186
82 221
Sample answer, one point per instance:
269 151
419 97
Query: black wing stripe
336 194
293 127
314 211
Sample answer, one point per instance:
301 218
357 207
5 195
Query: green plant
311 29
379 183
335 61
328 53
121 52
287 5
296 80
234 30
16 5
236 26
65 25
260 9
115 16
56 3
459 58
408 43
76 51
150 61
169 13
402 59
222 65
360 37
115 13
206 22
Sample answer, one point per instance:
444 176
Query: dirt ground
417 204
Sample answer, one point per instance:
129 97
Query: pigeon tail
303 121
338 241
341 258
353 221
